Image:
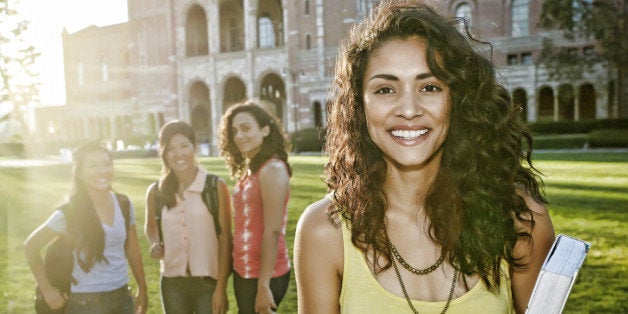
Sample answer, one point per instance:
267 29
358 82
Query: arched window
520 100
266 32
307 7
463 10
196 32
587 106
546 104
566 102
520 18
308 42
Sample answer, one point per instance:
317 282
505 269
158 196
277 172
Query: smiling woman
406 105
192 244
100 227
430 208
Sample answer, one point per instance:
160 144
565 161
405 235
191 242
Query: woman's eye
431 88
384 90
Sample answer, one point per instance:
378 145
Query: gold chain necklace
409 267
405 293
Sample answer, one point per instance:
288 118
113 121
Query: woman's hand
140 301
220 302
156 250
54 298
264 301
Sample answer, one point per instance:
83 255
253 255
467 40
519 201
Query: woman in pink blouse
195 251
255 149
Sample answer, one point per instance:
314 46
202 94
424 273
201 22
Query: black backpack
59 260
209 196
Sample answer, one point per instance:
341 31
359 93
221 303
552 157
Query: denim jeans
246 291
110 302
186 295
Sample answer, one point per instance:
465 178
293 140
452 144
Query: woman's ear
266 130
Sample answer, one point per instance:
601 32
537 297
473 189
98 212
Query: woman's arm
275 186
220 301
150 225
134 256
533 252
38 239
319 276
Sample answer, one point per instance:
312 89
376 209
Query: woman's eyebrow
391 77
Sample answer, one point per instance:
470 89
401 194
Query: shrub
609 138
568 141
582 126
308 140
13 149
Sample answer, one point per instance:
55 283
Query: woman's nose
409 105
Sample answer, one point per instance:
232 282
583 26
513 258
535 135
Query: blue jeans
246 291
186 295
110 302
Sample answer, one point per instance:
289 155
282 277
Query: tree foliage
19 84
601 20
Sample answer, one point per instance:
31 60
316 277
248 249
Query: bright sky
48 18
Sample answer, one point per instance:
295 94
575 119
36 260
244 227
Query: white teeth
407 134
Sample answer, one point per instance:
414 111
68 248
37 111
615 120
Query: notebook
557 275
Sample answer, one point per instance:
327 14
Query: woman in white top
94 220
195 258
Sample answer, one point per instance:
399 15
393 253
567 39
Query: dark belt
123 289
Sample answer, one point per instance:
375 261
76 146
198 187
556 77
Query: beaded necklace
405 292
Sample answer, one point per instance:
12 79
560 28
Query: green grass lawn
588 193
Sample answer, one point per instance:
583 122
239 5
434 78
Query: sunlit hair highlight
168 183
274 145
83 225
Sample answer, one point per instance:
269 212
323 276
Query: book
557 275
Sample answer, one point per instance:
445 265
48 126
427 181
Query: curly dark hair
275 144
472 204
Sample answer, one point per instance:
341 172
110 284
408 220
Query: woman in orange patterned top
255 149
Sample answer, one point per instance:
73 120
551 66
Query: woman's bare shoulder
318 224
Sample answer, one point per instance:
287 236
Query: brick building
190 60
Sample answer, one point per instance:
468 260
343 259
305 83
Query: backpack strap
158 206
59 258
210 198
125 206
209 195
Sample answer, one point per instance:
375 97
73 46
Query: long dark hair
472 205
83 225
168 183
275 144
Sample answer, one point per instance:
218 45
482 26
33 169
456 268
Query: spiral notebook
558 274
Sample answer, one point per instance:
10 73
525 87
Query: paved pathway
16 163
57 160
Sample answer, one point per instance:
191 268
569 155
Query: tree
19 86
601 20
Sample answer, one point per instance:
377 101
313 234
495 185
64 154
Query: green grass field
588 193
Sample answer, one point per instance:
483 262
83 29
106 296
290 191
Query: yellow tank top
361 293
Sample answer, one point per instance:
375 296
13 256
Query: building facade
191 59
